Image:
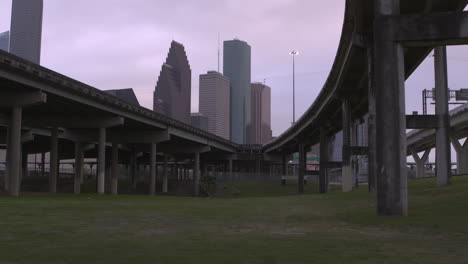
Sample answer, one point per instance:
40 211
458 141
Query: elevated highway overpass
424 140
382 43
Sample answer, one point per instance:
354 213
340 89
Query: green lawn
264 224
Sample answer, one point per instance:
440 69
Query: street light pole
294 53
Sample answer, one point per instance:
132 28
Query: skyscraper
127 94
260 126
199 121
5 41
172 96
237 67
26 29
215 102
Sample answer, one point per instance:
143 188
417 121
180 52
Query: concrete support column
78 168
24 166
230 168
101 161
133 167
153 169
371 125
355 159
284 169
196 175
7 162
420 163
14 151
165 174
43 164
462 156
347 171
443 159
54 162
302 167
389 77
205 169
323 177
115 169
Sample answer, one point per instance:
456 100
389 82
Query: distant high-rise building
237 67
200 121
215 102
5 41
26 29
172 96
260 126
128 95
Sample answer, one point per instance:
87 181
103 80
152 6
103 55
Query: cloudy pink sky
122 43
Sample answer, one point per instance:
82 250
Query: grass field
265 224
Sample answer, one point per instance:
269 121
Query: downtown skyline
139 37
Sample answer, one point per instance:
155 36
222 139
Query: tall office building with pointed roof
26 29
172 96
237 67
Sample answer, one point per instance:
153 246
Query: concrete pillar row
14 151
54 161
443 151
78 167
347 171
101 161
462 156
115 169
389 80
420 162
153 169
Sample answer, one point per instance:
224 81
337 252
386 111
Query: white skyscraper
26 29
215 102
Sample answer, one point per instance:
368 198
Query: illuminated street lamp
294 54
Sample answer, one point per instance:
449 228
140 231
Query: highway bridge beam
78 167
389 77
323 177
302 167
347 171
54 162
101 161
443 160
115 169
420 163
462 156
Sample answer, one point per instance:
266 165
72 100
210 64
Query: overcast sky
112 44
